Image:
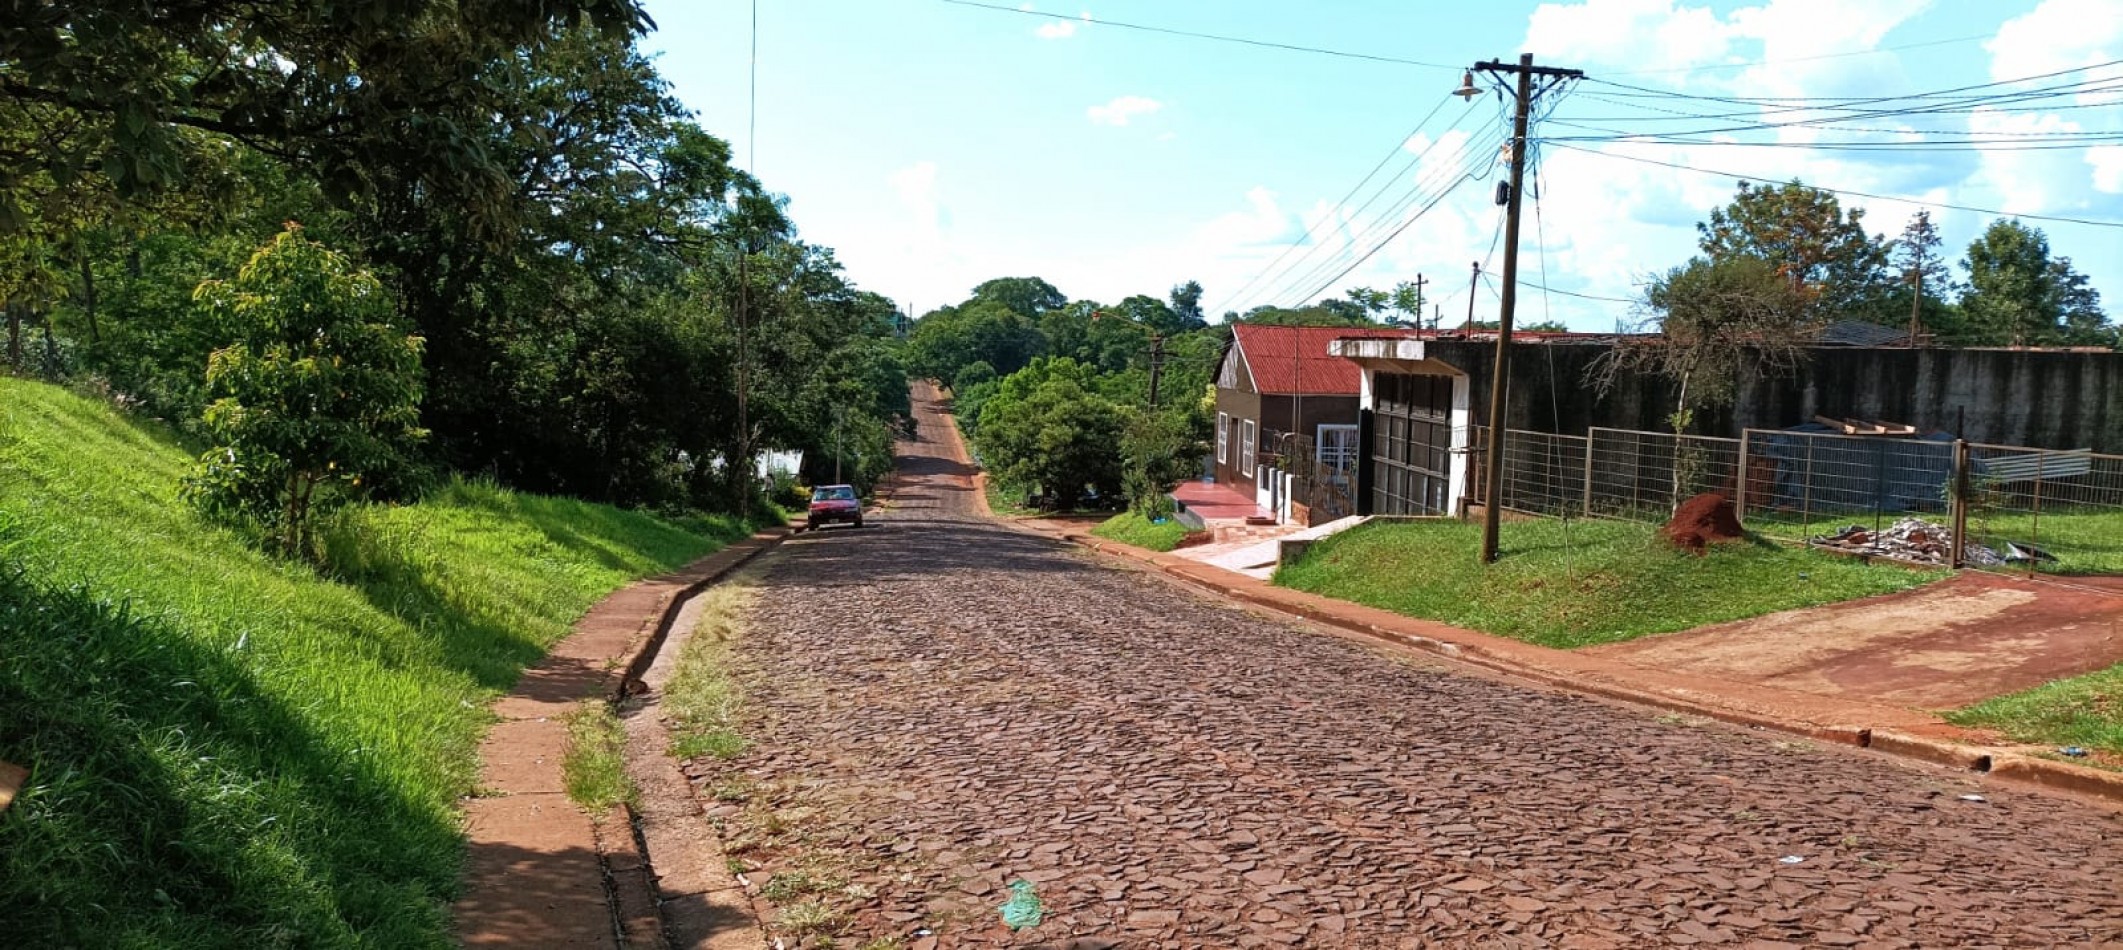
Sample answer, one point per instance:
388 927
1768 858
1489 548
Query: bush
318 399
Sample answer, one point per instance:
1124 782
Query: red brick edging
1894 730
539 871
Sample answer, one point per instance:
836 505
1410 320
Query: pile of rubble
1910 539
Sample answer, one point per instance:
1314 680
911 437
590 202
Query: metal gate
1411 444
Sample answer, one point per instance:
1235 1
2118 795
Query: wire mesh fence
1926 500
1850 490
1643 476
1544 472
2047 511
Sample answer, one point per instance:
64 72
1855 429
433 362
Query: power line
1399 147
1282 281
1443 174
1191 34
1847 191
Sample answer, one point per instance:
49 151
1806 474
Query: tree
1027 297
946 341
1925 282
2019 295
1804 233
1187 305
1158 450
319 398
1045 427
1719 320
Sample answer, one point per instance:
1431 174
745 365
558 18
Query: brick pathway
941 705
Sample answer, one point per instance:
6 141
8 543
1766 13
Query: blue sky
935 145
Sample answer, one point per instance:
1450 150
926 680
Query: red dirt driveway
1946 645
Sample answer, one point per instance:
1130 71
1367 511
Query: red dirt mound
1702 521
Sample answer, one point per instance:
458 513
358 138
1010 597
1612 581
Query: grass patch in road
702 698
2084 711
1580 583
594 769
229 750
1130 527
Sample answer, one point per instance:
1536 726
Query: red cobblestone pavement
940 705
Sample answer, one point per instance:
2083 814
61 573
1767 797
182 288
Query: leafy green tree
1045 427
2019 295
1187 306
1920 266
318 400
1807 236
1327 313
946 341
330 85
1027 297
1158 451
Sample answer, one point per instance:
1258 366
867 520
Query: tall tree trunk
88 297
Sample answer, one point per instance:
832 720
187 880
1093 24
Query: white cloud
2057 35
1638 34
1057 30
1122 109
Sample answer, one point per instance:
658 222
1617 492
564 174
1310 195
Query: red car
834 503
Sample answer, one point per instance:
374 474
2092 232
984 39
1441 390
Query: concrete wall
2040 399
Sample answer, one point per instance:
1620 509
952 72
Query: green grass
2085 541
2083 711
702 699
594 769
228 750
1130 527
1585 583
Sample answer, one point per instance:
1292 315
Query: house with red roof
1277 380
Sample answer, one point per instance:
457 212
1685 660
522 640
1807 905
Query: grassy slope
1129 527
229 751
1584 583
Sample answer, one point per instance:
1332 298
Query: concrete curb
1904 733
660 909
539 871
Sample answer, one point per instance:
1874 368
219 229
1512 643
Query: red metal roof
1293 361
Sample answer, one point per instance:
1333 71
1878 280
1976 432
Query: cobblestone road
940 705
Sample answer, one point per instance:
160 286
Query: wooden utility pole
1418 312
1474 284
1500 379
1157 364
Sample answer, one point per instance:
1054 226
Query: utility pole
1157 364
1500 381
1418 312
1473 284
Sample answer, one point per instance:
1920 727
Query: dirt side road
941 705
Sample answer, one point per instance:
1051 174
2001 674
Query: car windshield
833 493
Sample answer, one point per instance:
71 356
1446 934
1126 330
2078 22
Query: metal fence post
1739 490
1591 439
1806 493
2034 527
1959 514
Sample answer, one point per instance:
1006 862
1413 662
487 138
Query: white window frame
1223 438
1353 450
1246 433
